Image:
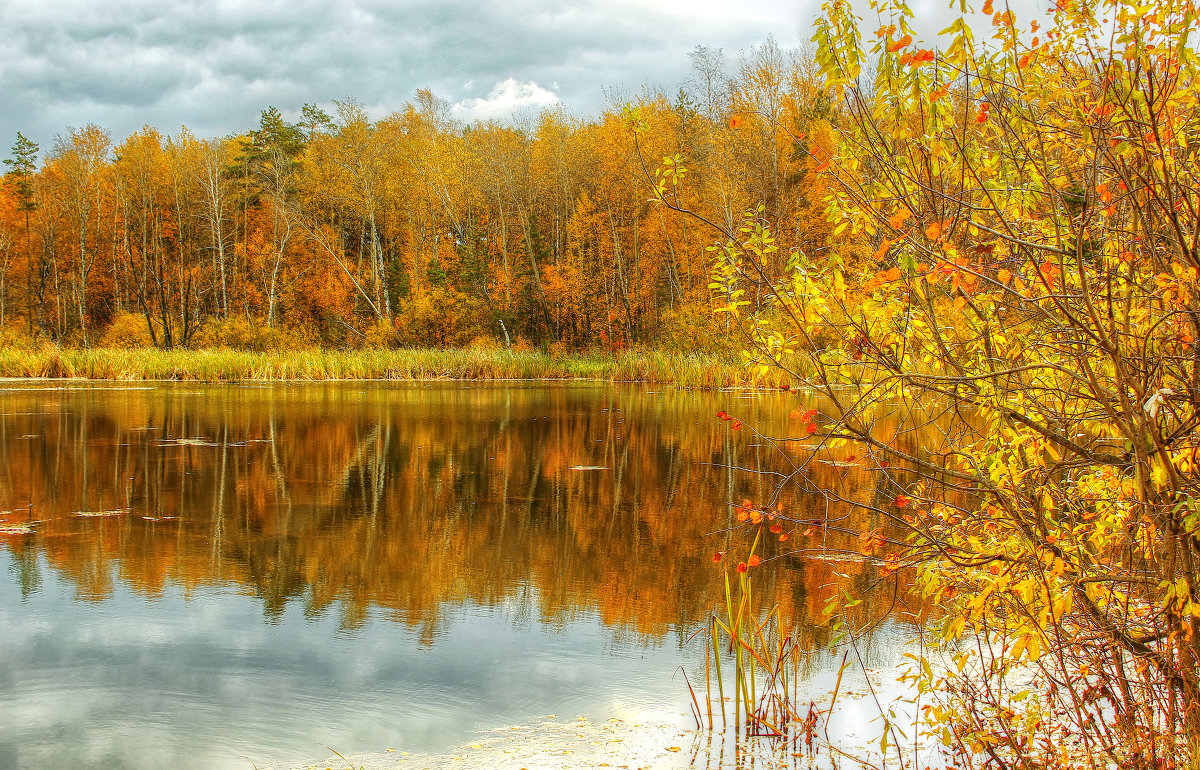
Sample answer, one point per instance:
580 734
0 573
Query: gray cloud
212 65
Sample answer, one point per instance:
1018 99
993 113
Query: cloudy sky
213 65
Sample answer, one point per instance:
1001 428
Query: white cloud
506 97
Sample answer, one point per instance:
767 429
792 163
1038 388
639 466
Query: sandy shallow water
573 743
552 742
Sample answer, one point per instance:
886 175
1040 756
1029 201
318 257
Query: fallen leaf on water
674 748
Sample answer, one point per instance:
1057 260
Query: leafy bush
127 331
240 333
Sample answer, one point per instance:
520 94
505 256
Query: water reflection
484 535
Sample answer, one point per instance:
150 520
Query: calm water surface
216 576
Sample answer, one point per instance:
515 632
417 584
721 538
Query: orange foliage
444 231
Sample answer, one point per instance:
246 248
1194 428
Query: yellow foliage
128 330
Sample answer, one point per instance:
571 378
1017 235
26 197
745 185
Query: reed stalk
765 696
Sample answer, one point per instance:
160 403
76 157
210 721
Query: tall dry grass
685 370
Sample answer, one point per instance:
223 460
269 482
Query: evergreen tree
21 167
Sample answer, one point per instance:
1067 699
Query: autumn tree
348 177
504 163
81 159
144 260
271 157
208 162
1034 210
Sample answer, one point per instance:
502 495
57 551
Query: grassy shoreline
692 371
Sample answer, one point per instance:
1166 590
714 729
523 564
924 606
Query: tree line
342 231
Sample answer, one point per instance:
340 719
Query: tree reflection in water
559 510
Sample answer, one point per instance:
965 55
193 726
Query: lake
230 576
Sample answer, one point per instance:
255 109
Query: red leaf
754 561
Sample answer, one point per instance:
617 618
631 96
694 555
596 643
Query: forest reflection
408 500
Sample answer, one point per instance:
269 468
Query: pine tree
22 166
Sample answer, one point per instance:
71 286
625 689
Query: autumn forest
972 263
339 231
